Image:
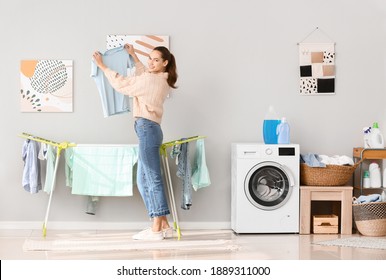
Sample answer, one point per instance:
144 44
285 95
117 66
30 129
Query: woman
149 89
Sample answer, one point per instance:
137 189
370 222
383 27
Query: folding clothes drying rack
60 146
168 179
163 151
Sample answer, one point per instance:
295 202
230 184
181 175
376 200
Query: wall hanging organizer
317 66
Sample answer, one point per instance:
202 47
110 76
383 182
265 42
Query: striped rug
356 242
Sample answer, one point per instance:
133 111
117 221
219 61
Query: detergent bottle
366 180
283 132
383 196
271 121
384 178
366 137
375 175
376 137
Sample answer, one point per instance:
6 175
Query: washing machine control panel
280 151
268 151
286 151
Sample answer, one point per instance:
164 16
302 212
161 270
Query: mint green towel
101 170
200 172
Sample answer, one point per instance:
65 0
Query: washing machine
265 188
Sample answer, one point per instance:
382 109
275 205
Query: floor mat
357 242
113 244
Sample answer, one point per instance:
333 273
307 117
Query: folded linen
337 160
367 198
312 160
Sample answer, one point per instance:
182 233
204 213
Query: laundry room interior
234 60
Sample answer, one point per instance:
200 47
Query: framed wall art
46 86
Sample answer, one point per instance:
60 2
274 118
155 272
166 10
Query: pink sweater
148 90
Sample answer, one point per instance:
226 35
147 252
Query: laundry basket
331 175
370 218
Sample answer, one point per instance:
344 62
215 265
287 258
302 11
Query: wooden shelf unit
308 194
360 153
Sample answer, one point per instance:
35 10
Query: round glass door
268 186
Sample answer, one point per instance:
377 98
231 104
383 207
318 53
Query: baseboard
36 225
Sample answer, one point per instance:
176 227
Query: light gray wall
235 58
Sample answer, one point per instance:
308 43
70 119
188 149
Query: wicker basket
331 175
370 218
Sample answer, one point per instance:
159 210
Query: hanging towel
200 177
31 173
113 102
101 170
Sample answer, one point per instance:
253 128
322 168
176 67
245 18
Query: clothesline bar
178 142
62 145
107 145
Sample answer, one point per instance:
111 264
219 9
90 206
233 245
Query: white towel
337 160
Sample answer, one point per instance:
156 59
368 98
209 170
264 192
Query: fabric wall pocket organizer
316 67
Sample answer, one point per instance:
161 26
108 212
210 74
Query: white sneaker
168 232
148 234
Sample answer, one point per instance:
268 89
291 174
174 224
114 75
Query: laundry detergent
271 121
269 131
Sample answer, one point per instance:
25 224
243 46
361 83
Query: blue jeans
184 172
149 178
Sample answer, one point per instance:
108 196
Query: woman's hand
98 59
130 49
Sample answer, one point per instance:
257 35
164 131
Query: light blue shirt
31 172
113 102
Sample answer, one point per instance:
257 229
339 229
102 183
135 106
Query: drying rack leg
169 185
51 193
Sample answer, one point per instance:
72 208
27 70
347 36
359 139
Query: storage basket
331 175
370 218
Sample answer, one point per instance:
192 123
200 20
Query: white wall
234 59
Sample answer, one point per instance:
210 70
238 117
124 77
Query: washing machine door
268 185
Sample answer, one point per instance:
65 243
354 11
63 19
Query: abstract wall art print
46 86
317 68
